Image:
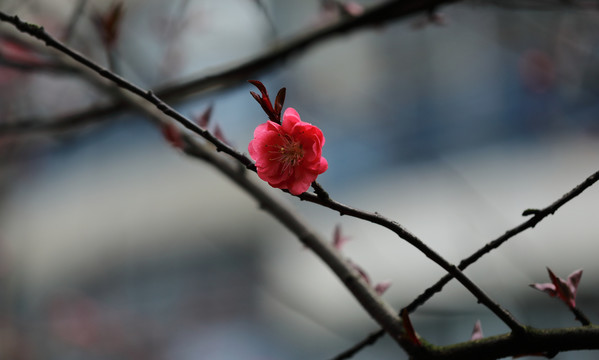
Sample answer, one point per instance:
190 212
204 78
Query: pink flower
288 156
563 289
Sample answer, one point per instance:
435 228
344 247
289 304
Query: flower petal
324 165
545 287
563 289
299 186
574 280
290 119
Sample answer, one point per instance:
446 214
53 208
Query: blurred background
114 245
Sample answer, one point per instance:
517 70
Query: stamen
289 154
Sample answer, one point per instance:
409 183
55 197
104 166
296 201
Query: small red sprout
360 272
409 329
338 239
108 24
477 331
381 287
204 119
172 134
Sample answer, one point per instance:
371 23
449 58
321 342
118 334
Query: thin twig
77 12
580 316
530 223
539 215
369 340
264 9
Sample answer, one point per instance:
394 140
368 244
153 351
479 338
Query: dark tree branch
580 316
532 341
538 342
539 215
453 271
369 340
237 73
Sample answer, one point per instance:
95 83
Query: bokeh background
113 245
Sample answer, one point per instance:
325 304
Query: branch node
533 212
320 192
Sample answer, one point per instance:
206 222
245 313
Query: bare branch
532 341
539 215
531 223
237 73
580 316
453 271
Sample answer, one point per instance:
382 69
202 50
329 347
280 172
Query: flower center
289 153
